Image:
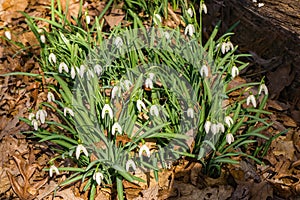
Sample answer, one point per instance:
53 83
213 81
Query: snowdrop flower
80 148
214 128
220 127
146 149
7 35
98 177
90 74
251 99
260 5
52 58
68 110
226 46
190 112
118 42
234 71
116 127
229 138
149 83
41 115
43 38
228 120
127 84
140 105
254 1
81 70
31 116
88 19
107 109
98 69
204 71
207 126
73 73
203 8
115 91
151 75
166 35
130 163
189 30
157 19
63 66
53 168
50 97
190 12
35 124
154 110
263 88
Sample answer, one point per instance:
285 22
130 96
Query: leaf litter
21 172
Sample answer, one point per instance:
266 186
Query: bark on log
271 33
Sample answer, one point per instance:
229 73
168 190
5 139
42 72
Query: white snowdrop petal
229 138
154 110
52 58
207 126
145 149
190 112
31 116
7 35
107 109
116 127
43 39
73 73
130 163
204 71
190 12
228 120
149 83
50 97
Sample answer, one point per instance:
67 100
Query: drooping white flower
98 177
190 112
52 169
107 109
115 92
81 70
98 69
35 124
229 138
73 73
41 115
43 38
207 126
130 163
145 149
7 35
190 12
254 1
260 5
263 88
88 19
80 148
154 110
214 128
166 35
63 66
234 71
151 75
140 105
116 127
228 120
50 97
52 58
68 110
251 99
118 42
31 116
127 84
204 71
90 74
220 127
203 8
189 30
149 83
226 46
157 19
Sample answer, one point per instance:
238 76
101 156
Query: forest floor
22 159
